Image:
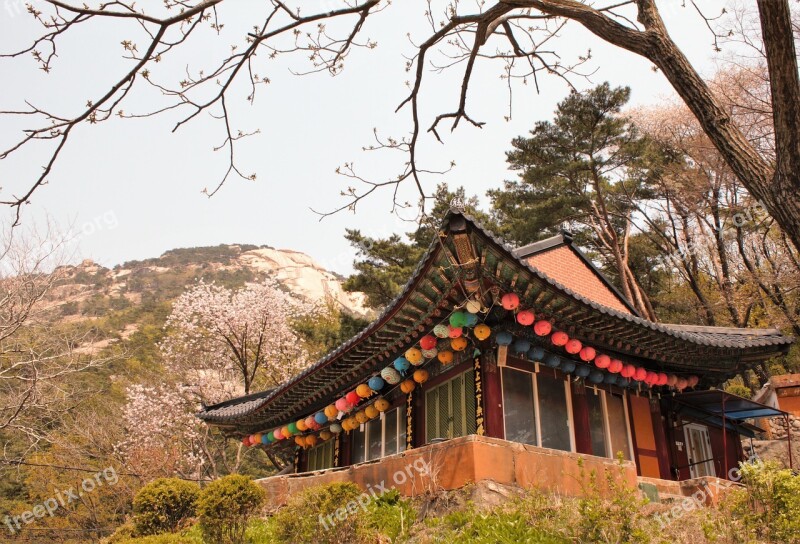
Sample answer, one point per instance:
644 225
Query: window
536 409
450 408
380 437
608 424
321 457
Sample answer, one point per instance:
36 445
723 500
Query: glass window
450 408
374 439
321 457
519 406
618 426
380 437
597 425
553 412
359 454
390 432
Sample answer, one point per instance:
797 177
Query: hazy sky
133 188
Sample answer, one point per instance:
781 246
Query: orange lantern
542 328
331 412
458 344
311 440
414 356
421 375
381 405
445 357
301 425
407 386
361 416
510 301
363 391
482 332
371 411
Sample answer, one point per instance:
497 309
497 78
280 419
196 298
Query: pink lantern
454 332
510 301
602 361
343 405
427 342
573 346
310 422
682 383
672 379
628 371
587 354
277 434
542 328
640 374
525 317
559 338
662 379
615 366
693 380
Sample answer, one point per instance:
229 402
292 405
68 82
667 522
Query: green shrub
163 505
225 507
391 515
162 539
310 516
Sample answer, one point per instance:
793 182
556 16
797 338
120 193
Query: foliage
391 515
159 539
226 506
163 505
301 520
769 507
501 526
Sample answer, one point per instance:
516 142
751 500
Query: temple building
509 364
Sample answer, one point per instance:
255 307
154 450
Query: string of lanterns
446 339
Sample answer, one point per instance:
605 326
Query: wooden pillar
580 417
492 397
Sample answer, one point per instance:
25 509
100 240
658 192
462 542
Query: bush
225 507
391 515
163 505
162 539
305 518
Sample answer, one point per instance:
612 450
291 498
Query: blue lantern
504 338
470 320
402 364
610 379
522 345
595 376
265 438
321 418
568 366
536 354
375 383
582 371
552 360
623 382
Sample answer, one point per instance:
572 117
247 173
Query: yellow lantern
331 412
407 386
311 440
301 425
352 423
325 435
371 411
414 356
363 391
482 331
285 432
459 344
445 357
361 416
421 375
381 405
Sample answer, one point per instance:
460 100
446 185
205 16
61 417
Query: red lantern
672 379
427 342
587 354
246 441
510 301
662 379
573 346
542 328
640 374
525 318
693 380
615 366
651 378
628 371
602 361
559 338
454 332
352 398
682 383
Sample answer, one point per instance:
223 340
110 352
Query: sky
132 189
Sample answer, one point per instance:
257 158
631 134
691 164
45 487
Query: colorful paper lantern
390 375
414 356
343 405
353 398
331 412
256 438
573 346
504 338
285 432
401 364
376 383
292 427
628 371
300 441
325 435
595 376
482 332
361 416
640 374
536 354
246 441
623 382
441 331
692 381
408 386
458 344
567 366
542 328
473 306
650 378
311 423
381 405
350 424
552 360
429 353
321 418
615 366
470 320
421 375
363 390
587 354
610 379
458 319
455 332
682 384
672 379
602 361
301 425
510 301
445 357
522 345
335 428
277 434
311 440
525 318
427 342
662 379
559 338
371 411
582 371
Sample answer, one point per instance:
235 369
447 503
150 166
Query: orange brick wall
565 267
